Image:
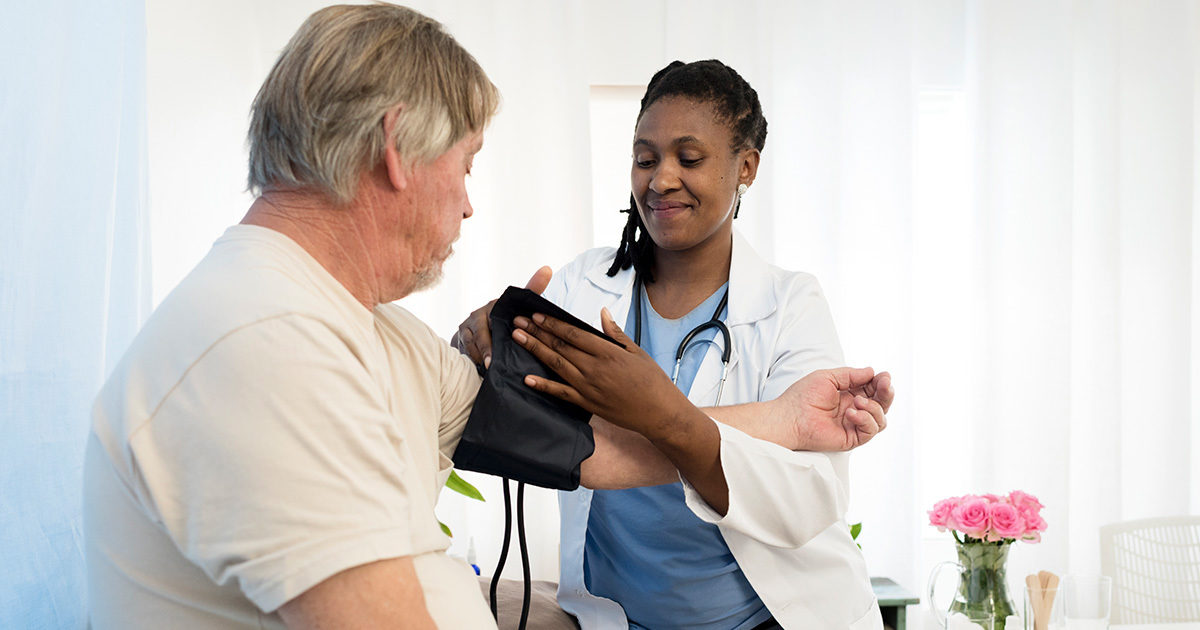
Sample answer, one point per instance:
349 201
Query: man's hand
474 336
838 409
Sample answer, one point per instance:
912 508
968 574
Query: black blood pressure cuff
514 430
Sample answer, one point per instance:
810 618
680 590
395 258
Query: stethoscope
713 322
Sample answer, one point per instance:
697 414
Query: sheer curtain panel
73 276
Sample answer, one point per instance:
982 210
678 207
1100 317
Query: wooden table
893 602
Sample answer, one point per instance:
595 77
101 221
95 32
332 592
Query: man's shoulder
399 325
251 308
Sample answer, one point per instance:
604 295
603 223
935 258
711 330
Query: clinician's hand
474 336
626 387
838 409
622 385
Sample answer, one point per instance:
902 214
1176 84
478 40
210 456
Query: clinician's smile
665 209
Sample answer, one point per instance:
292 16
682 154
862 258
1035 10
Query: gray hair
317 121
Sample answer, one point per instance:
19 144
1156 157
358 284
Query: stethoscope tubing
684 345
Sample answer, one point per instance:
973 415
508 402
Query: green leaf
854 531
445 530
461 486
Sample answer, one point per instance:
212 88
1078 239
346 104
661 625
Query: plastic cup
1087 602
1053 620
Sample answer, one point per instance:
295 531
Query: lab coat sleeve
776 496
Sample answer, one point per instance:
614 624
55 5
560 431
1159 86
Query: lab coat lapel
751 299
614 294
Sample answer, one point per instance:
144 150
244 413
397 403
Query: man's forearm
626 459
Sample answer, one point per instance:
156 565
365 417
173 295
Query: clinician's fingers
576 337
576 356
556 389
547 355
613 330
474 336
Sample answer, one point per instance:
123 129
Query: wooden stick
1049 593
1036 601
1044 578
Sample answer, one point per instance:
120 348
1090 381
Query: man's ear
391 157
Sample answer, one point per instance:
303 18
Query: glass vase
983 587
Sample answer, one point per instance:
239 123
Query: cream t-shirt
264 432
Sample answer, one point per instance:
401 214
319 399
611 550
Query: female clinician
779 553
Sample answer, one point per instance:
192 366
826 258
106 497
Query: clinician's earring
742 188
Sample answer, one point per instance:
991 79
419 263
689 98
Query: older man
270 449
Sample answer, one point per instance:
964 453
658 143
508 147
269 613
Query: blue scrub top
645 549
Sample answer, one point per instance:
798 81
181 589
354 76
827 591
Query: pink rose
971 516
993 498
1034 529
1030 509
1005 521
1026 503
940 515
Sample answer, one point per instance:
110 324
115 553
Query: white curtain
997 196
73 276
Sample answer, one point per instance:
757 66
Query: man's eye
644 163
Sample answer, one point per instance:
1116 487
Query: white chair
1154 564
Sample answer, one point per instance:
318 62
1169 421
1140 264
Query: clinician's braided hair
737 105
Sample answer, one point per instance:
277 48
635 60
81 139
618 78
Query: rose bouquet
984 528
990 518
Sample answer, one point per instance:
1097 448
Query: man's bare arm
383 594
854 412
626 459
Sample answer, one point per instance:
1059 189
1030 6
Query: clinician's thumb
610 328
540 280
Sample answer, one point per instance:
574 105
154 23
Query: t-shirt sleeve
274 462
460 385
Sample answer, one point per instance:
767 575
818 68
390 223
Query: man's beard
427 277
431 274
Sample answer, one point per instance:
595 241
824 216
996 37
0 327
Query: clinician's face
440 204
685 175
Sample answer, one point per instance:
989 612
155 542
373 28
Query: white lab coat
786 519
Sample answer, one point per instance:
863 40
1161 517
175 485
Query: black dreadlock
736 103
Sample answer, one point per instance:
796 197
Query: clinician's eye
644 162
690 160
